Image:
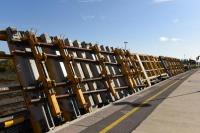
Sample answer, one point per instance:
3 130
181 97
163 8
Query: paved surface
179 113
127 115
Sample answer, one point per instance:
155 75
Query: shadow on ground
133 104
147 104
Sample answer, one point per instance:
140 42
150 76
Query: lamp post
125 43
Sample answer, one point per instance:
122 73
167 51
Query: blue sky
158 27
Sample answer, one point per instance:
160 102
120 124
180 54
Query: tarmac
171 106
178 113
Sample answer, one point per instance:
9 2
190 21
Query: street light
197 58
125 43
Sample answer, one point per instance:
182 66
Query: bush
7 65
2 69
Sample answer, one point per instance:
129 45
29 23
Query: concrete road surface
171 106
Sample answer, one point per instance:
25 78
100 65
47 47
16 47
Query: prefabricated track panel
61 80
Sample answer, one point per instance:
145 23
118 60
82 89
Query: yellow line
112 125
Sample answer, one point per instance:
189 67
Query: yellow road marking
112 125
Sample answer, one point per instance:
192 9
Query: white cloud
164 39
175 39
162 1
168 39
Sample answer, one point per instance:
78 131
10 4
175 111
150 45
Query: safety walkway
169 106
179 112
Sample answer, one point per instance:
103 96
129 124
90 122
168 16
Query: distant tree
7 65
2 53
2 69
10 66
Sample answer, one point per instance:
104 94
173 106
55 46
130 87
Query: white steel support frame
143 70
